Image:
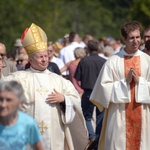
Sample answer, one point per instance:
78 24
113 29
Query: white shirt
59 63
67 53
102 55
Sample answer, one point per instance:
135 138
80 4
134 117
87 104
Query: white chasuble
43 111
59 130
126 123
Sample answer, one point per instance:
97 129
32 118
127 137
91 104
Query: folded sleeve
72 99
143 91
120 92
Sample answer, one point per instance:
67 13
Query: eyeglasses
2 55
20 60
146 36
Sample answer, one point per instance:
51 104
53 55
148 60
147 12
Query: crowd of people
76 93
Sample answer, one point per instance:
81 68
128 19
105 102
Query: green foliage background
58 17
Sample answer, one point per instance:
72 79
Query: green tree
141 12
98 17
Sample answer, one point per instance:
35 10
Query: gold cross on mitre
42 127
42 90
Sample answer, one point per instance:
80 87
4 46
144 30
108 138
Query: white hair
13 86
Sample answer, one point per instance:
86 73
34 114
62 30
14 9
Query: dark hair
93 45
147 45
130 26
72 36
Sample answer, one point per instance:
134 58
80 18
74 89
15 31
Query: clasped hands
132 75
55 97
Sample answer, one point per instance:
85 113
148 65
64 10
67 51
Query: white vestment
59 130
112 93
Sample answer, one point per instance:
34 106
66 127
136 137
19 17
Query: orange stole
133 109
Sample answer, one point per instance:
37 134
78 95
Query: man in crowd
16 128
51 100
87 72
123 88
8 66
67 53
86 38
146 34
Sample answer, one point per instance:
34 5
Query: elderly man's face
9 104
40 60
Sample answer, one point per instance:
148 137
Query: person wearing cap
51 100
17 46
18 43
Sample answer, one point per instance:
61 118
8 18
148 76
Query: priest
123 89
51 100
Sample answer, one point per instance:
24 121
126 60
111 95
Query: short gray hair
108 50
13 86
79 52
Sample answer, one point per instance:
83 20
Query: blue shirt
17 136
